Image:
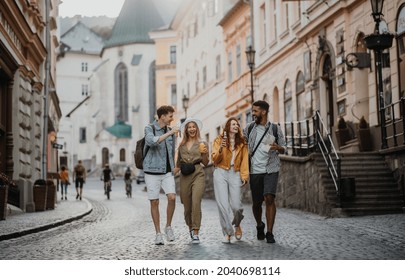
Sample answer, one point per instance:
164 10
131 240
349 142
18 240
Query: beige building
237 38
200 69
301 53
166 55
27 78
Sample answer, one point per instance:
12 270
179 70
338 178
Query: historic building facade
27 75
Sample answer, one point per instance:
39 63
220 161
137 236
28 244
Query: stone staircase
376 191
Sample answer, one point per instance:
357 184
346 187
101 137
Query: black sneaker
270 238
260 231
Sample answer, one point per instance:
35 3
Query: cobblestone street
121 228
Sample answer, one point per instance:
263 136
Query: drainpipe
46 92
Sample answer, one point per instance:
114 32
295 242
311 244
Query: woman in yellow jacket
231 160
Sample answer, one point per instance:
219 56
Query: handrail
328 151
394 122
306 136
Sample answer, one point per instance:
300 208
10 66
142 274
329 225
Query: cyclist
106 176
128 182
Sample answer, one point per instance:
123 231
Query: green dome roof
120 130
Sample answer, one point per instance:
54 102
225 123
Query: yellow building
237 38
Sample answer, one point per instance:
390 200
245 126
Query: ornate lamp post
250 55
185 101
379 42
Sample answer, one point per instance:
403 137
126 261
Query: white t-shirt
261 156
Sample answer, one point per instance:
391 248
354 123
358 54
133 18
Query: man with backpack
158 166
265 141
79 176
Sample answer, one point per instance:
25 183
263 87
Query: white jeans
227 188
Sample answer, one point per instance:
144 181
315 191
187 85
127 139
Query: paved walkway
123 221
19 223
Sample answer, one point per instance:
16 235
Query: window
173 55
238 61
273 21
300 86
197 81
263 26
230 75
288 101
211 8
85 90
84 66
218 68
174 94
204 77
285 20
248 116
82 135
122 155
121 92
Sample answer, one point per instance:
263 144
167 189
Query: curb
44 227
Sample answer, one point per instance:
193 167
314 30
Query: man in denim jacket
158 166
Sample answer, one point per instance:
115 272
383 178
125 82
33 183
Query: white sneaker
169 233
195 239
227 239
159 239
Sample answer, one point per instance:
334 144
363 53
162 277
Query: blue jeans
63 186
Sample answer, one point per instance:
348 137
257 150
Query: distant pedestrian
158 166
191 153
128 182
231 160
79 176
64 181
264 149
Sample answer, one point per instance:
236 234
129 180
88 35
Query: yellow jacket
222 159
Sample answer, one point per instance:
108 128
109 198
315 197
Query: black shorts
261 184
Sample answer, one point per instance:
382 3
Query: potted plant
364 135
342 132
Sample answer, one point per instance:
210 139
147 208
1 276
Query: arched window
300 86
287 101
121 92
303 98
122 155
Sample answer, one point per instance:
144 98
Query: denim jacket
156 158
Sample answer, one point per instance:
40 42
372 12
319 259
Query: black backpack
140 145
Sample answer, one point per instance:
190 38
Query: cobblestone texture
121 228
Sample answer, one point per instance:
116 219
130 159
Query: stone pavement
19 223
121 228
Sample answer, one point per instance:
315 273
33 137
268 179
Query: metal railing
394 125
311 135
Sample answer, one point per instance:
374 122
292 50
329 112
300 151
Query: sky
110 8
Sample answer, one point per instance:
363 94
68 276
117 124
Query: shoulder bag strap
257 146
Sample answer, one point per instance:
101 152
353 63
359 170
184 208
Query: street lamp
250 55
379 42
185 100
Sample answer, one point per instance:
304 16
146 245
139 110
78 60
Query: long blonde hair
186 137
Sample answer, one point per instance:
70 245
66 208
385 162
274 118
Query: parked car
140 178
